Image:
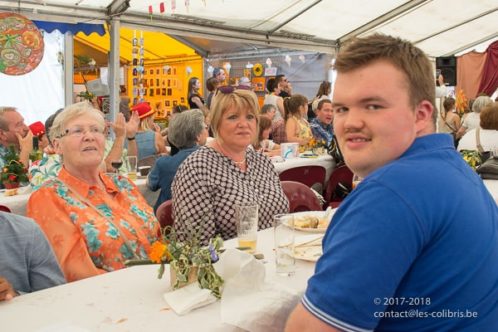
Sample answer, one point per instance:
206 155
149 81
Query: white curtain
39 93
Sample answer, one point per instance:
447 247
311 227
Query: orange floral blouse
86 243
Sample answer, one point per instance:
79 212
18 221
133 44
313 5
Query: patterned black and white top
208 185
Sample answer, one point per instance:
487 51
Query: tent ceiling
439 27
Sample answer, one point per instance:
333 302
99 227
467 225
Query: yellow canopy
158 47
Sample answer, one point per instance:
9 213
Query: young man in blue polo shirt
415 246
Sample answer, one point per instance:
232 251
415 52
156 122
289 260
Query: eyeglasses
78 131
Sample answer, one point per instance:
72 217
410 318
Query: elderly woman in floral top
93 221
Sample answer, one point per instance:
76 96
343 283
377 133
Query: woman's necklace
238 163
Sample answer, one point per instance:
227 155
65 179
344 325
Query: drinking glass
116 164
283 226
132 167
247 225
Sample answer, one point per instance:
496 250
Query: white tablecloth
17 203
492 186
127 300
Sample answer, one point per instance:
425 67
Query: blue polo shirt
413 248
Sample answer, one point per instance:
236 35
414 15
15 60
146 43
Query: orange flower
158 251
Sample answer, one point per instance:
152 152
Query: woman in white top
488 134
273 98
471 121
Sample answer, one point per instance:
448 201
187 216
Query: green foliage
13 171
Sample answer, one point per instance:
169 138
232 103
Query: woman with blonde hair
149 139
227 172
297 127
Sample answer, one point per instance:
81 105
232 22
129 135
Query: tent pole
114 68
68 68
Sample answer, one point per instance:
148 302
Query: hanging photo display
137 53
21 45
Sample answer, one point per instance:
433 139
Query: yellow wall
172 85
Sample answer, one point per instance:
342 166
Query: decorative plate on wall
21 44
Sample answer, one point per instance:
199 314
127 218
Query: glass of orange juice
247 225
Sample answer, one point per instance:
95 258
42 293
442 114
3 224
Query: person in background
420 225
488 132
321 126
38 129
297 127
227 172
95 221
212 84
148 138
264 144
219 75
245 83
187 132
13 131
195 101
449 121
284 86
278 122
323 92
471 121
50 165
27 262
124 102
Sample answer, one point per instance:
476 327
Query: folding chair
301 197
312 176
341 180
164 213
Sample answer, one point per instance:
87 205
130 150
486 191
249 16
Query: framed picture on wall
167 103
163 91
259 84
175 102
182 100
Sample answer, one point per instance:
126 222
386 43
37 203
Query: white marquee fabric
25 92
439 27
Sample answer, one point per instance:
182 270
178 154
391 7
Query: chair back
4 209
147 161
341 177
312 176
301 197
164 213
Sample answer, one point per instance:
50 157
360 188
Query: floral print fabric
86 243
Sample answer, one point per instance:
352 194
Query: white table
17 203
127 300
326 161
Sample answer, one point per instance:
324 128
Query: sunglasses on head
227 89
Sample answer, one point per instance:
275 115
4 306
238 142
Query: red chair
164 214
4 209
308 175
343 177
301 197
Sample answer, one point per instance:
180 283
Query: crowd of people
420 224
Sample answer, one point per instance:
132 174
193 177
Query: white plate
309 253
318 214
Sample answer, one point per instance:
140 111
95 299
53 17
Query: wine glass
116 164
356 180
